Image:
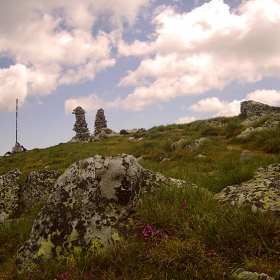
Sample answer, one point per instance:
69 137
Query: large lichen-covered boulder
9 194
83 211
261 192
38 186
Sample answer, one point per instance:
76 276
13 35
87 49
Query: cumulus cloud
186 119
207 48
229 109
58 42
270 97
89 103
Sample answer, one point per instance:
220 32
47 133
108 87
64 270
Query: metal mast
16 117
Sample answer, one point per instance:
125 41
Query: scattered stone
248 131
100 122
261 192
165 160
230 148
9 195
196 145
247 155
133 130
178 144
38 186
80 126
243 274
200 156
215 123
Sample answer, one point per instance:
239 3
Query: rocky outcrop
87 209
251 107
262 192
9 194
80 126
38 186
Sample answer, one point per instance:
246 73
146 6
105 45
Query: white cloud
186 119
270 97
89 103
54 43
229 109
213 104
204 49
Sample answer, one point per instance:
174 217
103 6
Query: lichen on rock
261 192
9 194
83 212
38 186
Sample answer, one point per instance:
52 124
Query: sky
145 62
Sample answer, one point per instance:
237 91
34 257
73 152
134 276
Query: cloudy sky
145 62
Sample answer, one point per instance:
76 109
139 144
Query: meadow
179 233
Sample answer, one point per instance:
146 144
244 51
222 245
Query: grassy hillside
190 235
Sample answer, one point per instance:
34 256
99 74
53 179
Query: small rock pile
100 122
80 126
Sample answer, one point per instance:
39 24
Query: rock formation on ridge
251 107
80 126
100 121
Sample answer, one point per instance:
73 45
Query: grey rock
38 186
247 155
261 192
9 195
201 156
178 144
83 212
251 107
196 145
243 274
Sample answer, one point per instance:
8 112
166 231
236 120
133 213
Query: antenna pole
16 116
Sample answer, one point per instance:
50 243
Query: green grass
195 237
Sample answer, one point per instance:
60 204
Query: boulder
9 194
178 144
38 186
196 144
88 209
83 211
261 192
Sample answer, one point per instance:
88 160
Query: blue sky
146 63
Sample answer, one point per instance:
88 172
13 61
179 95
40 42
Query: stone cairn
100 122
80 126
